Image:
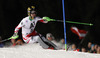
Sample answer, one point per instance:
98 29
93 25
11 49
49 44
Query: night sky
13 11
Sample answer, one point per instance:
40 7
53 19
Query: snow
36 51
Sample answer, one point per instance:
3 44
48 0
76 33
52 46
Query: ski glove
15 36
48 19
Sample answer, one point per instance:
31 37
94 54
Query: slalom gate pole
64 25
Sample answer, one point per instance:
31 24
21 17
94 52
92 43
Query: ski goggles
33 12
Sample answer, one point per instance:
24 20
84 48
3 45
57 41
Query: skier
28 30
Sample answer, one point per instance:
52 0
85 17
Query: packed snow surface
36 51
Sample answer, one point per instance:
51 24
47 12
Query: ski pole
12 37
5 40
75 22
49 19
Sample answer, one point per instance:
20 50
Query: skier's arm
16 30
15 36
43 21
21 24
46 19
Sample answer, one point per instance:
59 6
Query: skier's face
33 14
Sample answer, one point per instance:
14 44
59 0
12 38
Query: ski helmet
31 10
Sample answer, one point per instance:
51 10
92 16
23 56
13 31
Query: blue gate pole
64 25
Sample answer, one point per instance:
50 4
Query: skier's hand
48 19
15 36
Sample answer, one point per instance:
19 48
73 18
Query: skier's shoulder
25 18
38 18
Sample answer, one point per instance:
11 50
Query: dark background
13 11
